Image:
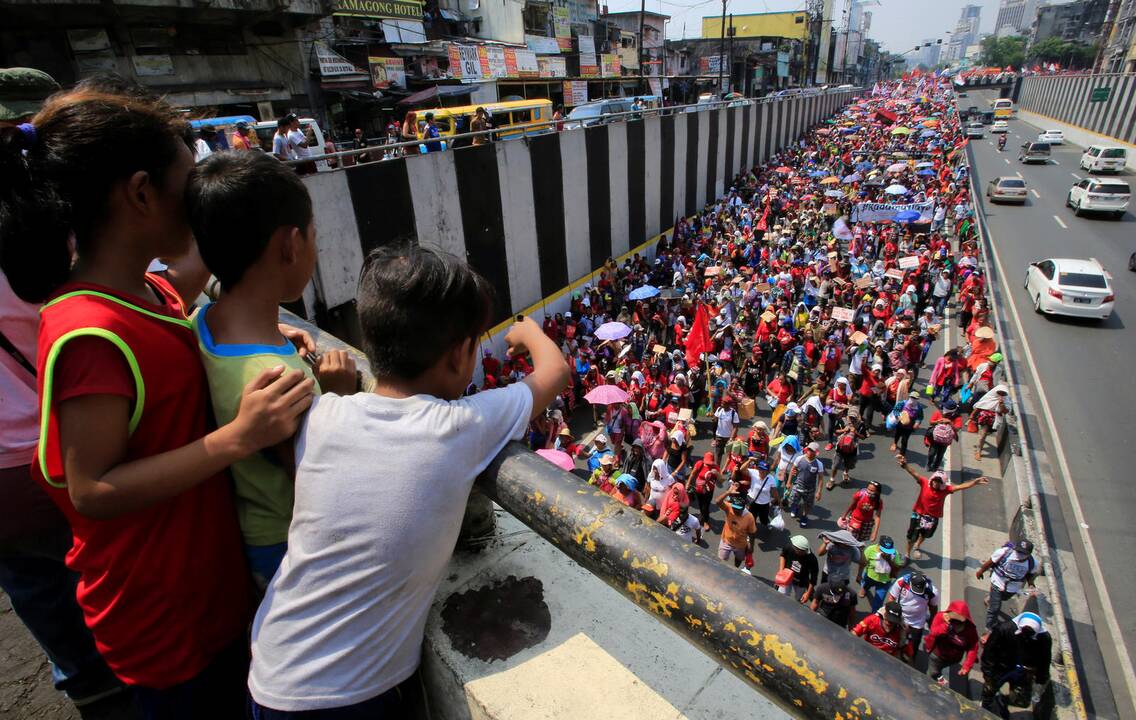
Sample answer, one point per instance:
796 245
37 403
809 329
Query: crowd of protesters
209 520
792 329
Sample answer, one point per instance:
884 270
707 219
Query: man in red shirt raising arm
928 509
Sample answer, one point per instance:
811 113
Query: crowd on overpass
169 470
791 319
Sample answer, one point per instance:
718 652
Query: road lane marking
1056 162
1038 197
1019 175
1007 160
1126 672
1076 176
1060 222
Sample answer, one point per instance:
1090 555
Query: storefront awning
436 94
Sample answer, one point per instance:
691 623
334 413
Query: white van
1104 158
311 128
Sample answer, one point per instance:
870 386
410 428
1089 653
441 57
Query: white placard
843 314
908 262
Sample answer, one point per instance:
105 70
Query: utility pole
721 49
642 15
1106 31
730 65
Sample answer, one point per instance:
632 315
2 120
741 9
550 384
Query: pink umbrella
559 458
606 395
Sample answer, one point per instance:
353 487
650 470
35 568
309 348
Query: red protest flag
763 223
698 339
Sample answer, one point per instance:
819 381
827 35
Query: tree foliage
1003 51
1067 53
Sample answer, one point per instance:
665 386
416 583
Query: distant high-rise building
965 34
1014 16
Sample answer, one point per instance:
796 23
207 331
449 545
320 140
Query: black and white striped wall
1065 98
538 217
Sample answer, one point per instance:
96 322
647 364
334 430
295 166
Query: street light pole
730 81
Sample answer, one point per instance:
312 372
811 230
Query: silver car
1006 189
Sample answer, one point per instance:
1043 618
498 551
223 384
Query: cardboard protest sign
843 314
908 262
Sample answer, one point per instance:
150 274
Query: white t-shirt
282 147
689 529
761 489
727 419
381 488
299 142
1008 574
915 606
19 409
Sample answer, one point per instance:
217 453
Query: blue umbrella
926 171
834 193
642 293
864 165
907 216
854 177
612 331
818 174
928 133
924 164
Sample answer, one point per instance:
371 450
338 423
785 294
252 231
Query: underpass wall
538 217
1064 102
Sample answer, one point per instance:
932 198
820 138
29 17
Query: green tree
1000 52
1067 53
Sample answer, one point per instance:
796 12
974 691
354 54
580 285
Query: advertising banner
561 22
542 45
387 71
575 92
886 212
609 65
492 61
465 62
552 67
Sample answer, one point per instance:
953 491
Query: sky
897 24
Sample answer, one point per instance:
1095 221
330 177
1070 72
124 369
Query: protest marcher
834 600
1017 652
951 639
928 508
880 567
739 527
919 598
1011 568
864 514
797 569
883 629
804 483
842 556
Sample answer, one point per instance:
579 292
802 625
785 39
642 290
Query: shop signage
552 67
392 9
386 71
152 65
465 62
562 22
542 45
609 65
575 92
332 63
493 61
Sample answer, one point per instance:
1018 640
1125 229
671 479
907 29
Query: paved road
1085 370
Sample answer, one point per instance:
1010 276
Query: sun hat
800 542
607 459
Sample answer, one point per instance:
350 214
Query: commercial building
652 43
789 25
212 57
1119 54
1078 21
1014 17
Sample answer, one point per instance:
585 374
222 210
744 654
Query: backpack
1009 547
846 444
943 434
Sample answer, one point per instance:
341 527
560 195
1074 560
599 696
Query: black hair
55 184
235 201
416 303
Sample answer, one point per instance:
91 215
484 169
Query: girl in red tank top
125 449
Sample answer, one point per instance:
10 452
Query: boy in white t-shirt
381 485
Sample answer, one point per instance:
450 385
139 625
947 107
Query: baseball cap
892 611
887 545
919 582
22 91
813 446
1025 547
737 501
762 465
601 438
939 475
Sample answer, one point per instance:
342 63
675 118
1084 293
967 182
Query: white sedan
1000 126
1053 137
1064 286
1006 189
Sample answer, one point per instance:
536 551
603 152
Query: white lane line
1038 197
1126 673
1076 176
1056 162
1060 222
1019 175
1007 160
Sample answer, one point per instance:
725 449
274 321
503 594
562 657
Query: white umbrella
895 190
897 167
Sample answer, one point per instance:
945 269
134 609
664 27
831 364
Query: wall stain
497 621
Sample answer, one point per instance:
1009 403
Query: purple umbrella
559 458
612 331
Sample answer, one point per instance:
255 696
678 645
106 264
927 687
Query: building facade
1118 55
1014 17
1078 21
210 57
965 33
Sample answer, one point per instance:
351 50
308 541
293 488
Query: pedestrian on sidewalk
928 508
1017 652
990 408
952 638
1013 566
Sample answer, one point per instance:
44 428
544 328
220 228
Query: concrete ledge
598 656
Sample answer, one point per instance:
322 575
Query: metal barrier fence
808 665
549 124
